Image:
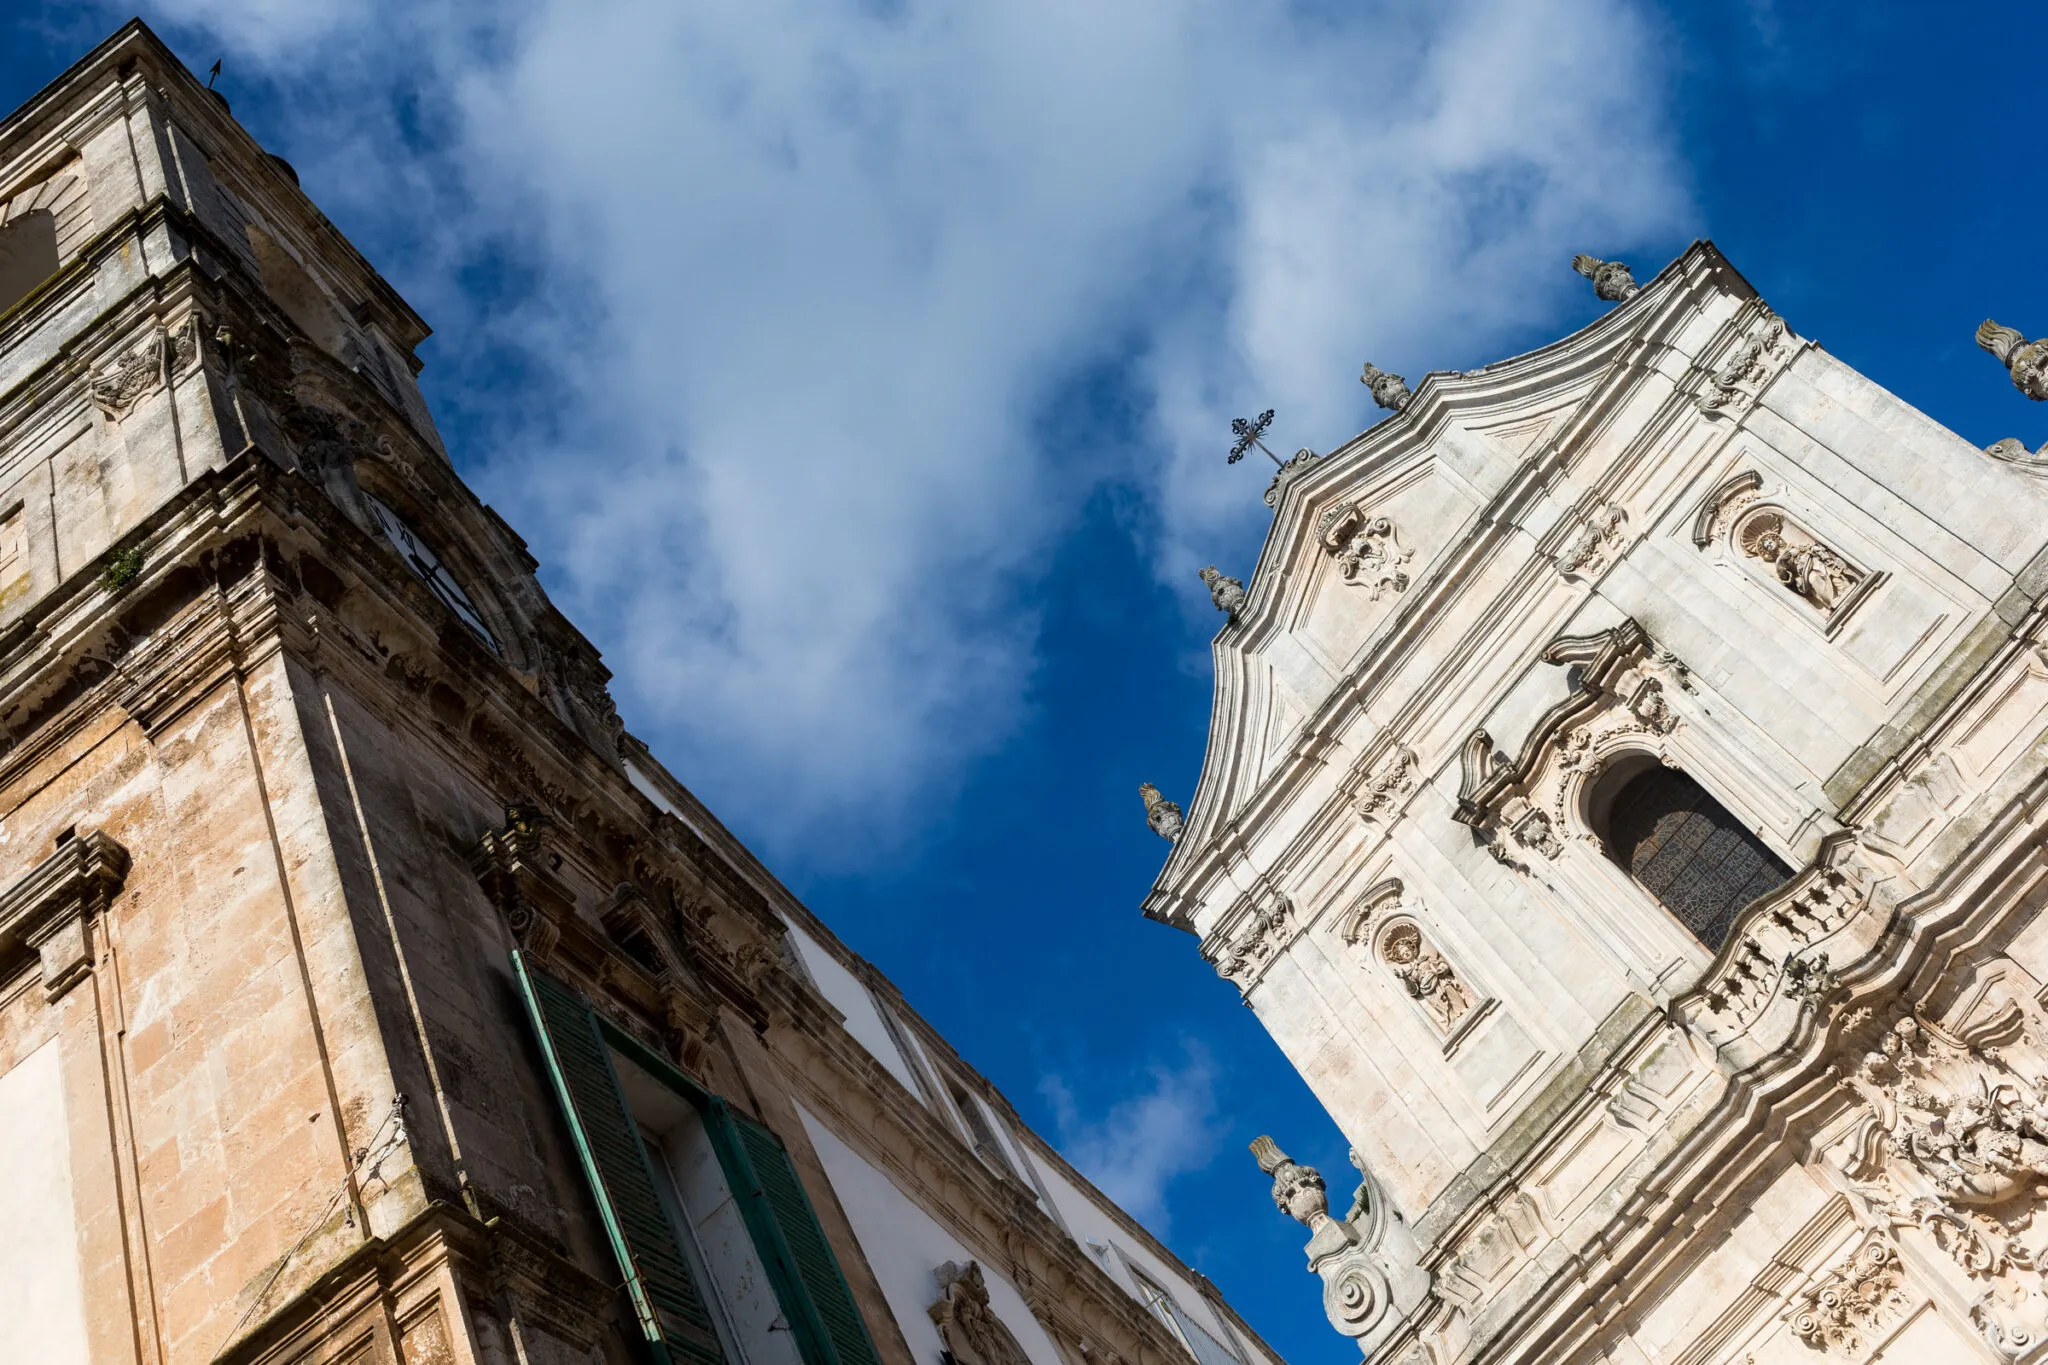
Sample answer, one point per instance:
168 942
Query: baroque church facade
367 994
1624 805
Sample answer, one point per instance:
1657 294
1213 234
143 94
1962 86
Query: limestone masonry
367 994
1624 804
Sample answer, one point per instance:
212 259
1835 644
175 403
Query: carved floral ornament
1623 700
1774 544
1385 784
1596 544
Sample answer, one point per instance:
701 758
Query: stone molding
49 909
1622 700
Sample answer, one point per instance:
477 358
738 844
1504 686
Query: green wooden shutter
665 1300
812 1290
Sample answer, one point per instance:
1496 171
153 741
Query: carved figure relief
1865 1292
2026 360
1756 361
1367 549
967 1323
1596 544
1954 1143
1428 978
1808 569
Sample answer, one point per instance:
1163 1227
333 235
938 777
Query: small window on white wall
979 1130
1206 1349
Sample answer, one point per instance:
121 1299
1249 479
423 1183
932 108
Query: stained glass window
1687 850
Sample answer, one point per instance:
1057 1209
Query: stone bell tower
1624 805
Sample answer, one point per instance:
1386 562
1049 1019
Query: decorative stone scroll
49 909
1303 459
1367 549
1766 349
967 1323
2014 452
1597 543
1864 1292
1620 701
1366 1260
2026 360
168 354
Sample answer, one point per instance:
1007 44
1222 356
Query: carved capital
49 909
1764 349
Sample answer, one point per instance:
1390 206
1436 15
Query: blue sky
861 374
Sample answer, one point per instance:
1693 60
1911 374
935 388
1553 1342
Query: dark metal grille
1686 850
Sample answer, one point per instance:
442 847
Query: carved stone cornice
48 909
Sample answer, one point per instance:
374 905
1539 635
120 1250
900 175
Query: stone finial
1298 1190
1390 391
1226 592
1611 279
2028 360
1161 814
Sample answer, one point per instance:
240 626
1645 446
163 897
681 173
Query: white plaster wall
1085 1219
42 1298
851 999
904 1246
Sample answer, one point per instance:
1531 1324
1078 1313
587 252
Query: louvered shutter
808 1282
665 1299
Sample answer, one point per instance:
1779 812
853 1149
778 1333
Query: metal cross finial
1248 434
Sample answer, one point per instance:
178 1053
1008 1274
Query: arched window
28 255
1684 848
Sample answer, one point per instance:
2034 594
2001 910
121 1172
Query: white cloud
812 271
1134 1151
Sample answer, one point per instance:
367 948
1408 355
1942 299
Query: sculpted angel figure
1427 976
1808 568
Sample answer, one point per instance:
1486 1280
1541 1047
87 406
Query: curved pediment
1428 517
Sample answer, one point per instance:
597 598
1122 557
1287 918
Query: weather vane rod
1248 434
